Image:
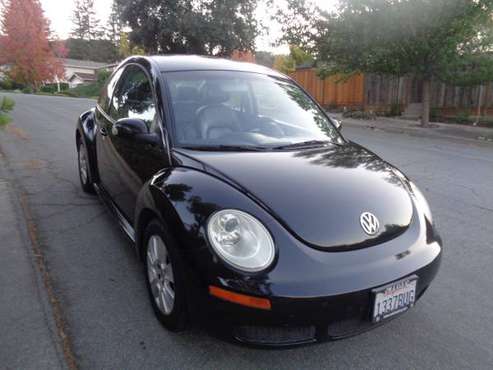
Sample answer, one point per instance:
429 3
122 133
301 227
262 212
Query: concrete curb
33 341
438 130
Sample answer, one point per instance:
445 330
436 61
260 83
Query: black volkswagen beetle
250 211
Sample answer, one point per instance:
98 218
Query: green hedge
84 91
8 84
53 88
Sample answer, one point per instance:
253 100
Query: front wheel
83 161
165 277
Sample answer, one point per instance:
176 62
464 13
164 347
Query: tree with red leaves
25 45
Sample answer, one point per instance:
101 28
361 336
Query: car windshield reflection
217 110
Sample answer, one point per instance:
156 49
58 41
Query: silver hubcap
160 274
83 165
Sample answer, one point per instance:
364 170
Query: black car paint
312 272
334 177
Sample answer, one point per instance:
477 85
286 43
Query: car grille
347 328
266 335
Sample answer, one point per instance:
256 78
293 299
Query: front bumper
296 321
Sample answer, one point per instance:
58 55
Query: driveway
99 284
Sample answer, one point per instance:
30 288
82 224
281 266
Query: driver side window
133 98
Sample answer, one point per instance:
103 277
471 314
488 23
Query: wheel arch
85 133
183 199
146 215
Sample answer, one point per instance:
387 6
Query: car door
132 160
103 142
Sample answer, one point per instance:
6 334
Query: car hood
320 194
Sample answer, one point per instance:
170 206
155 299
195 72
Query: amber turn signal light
241 299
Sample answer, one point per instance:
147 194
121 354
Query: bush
435 114
8 84
6 105
27 90
103 75
360 114
85 91
50 89
463 117
395 110
485 121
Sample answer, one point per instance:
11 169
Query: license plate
394 298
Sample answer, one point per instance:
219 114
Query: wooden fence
332 92
379 93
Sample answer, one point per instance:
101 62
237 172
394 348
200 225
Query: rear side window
133 97
107 92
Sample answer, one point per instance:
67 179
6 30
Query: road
99 283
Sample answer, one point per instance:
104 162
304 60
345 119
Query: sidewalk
440 130
28 338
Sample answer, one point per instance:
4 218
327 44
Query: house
79 78
3 70
79 72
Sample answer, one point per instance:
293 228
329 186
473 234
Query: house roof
86 77
83 64
306 65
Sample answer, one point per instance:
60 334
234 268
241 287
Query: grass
462 119
84 91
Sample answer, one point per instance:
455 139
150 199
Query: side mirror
337 124
129 127
137 130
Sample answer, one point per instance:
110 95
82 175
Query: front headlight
421 202
241 240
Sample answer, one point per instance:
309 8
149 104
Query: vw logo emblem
369 222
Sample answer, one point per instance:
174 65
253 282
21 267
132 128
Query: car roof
175 63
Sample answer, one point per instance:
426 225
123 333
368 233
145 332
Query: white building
79 72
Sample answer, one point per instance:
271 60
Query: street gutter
51 305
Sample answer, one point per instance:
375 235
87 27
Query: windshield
239 109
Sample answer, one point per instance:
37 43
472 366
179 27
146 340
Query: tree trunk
425 113
480 102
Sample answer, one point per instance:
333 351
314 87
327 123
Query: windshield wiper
303 145
226 148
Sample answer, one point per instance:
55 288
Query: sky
59 12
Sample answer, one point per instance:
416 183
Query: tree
86 24
96 50
297 57
421 38
115 25
126 49
26 45
299 21
191 27
265 58
59 48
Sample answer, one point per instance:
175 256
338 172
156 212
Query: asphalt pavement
92 310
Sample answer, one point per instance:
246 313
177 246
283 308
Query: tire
83 165
164 270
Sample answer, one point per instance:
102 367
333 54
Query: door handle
103 131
